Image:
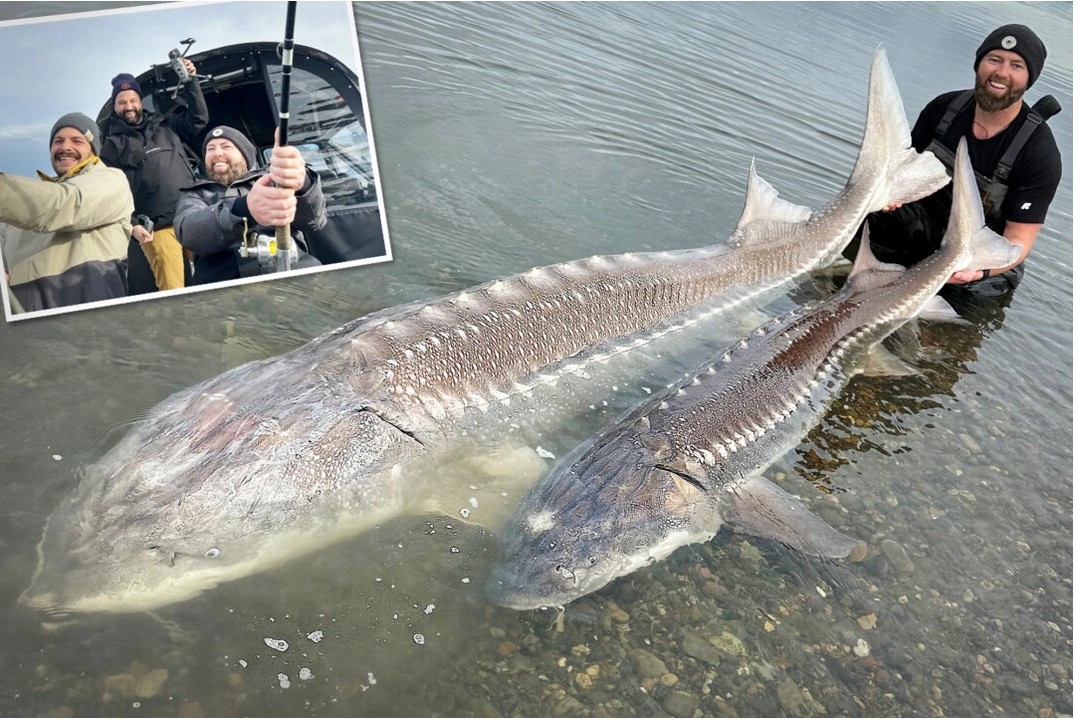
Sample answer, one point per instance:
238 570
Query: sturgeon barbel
276 458
672 473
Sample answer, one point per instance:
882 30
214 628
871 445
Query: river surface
516 135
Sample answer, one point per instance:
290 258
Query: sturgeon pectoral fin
880 362
762 509
938 309
482 489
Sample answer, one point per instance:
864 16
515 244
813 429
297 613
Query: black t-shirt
915 230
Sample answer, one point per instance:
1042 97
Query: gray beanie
246 148
84 125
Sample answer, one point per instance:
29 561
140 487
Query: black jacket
207 226
151 154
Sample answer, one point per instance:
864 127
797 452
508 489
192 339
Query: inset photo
195 145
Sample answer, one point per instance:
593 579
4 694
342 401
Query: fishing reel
264 249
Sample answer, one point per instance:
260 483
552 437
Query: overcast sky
62 64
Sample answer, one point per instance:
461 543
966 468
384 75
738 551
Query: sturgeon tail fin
983 247
886 150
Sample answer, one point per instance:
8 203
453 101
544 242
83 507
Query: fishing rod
284 232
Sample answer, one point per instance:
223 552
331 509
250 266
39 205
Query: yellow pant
165 256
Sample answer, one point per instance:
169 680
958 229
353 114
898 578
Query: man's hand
189 65
269 204
966 276
142 235
286 166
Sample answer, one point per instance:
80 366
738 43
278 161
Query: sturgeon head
598 520
217 482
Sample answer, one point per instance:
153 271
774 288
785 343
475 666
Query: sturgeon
673 472
276 458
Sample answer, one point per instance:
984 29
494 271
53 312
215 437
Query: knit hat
1018 39
84 125
124 81
246 148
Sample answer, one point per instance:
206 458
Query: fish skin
672 472
276 458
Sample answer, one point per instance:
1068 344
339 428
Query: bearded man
229 220
1012 150
149 148
69 245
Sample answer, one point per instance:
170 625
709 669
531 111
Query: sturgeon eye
212 553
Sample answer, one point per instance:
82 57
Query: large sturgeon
671 473
278 457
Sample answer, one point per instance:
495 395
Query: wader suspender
993 190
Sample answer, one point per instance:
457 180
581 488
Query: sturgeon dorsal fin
762 509
761 202
868 271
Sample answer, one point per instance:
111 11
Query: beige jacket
72 247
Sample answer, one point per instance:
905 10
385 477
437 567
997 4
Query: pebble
897 557
616 613
647 664
858 554
751 554
971 444
191 709
700 649
681 704
791 699
729 644
867 622
149 685
861 649
568 706
136 685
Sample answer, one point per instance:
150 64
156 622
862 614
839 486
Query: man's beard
137 119
992 103
226 177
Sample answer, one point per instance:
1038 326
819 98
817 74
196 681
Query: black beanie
124 81
246 148
1018 39
84 125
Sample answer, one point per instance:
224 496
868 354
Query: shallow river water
516 135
